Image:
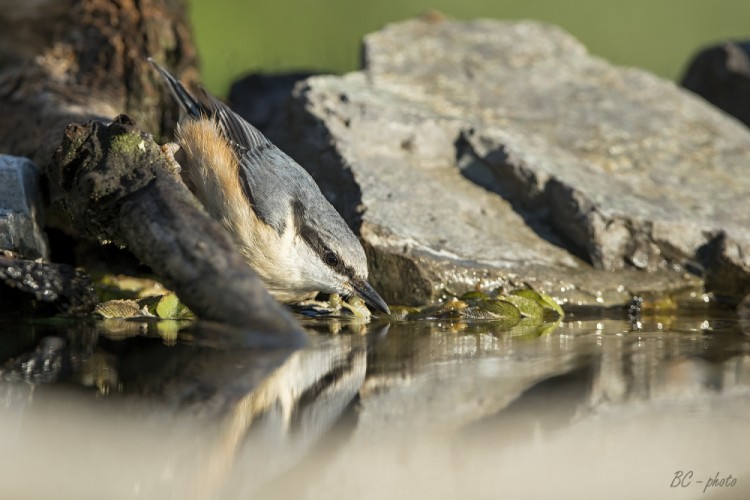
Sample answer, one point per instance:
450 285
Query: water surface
600 407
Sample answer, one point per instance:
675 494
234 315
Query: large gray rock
21 208
610 164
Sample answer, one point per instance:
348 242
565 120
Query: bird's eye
331 259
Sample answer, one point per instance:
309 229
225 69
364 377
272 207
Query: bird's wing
267 174
187 103
273 181
269 178
243 136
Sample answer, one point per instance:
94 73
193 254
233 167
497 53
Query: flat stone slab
468 152
21 208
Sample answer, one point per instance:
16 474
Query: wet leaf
451 309
358 308
502 320
468 296
505 314
120 286
354 308
170 307
402 312
121 309
529 308
501 308
335 301
544 300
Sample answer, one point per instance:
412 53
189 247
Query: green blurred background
235 37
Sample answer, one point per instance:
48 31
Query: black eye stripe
311 237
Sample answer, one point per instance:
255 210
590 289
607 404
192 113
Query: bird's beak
370 296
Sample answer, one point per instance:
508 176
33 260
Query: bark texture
63 61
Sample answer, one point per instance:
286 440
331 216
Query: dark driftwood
116 184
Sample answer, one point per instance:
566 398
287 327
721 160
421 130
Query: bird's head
330 255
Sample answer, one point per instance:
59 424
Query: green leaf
170 307
529 308
544 300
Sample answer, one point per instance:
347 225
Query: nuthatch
288 232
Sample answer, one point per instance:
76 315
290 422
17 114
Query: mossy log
116 184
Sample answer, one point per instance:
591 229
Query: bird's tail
187 102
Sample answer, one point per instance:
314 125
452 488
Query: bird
284 227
